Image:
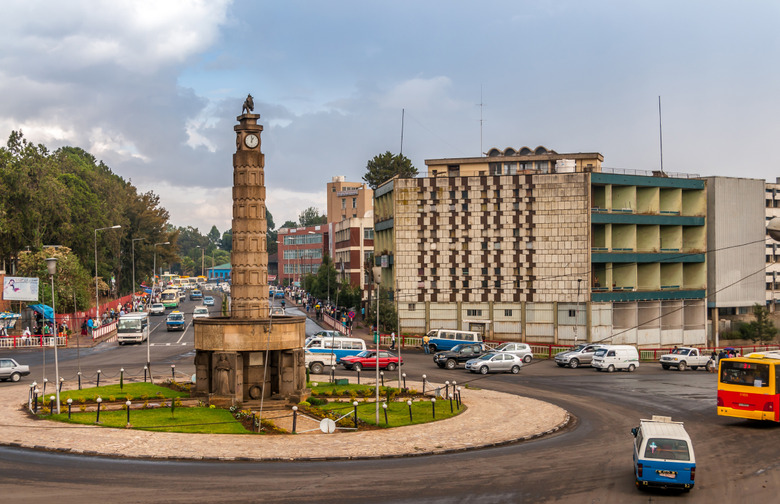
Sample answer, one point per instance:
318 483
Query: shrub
81 400
144 397
83 408
304 404
111 399
316 401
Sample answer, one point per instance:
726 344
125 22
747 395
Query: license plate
667 474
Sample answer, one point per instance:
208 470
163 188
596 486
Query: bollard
79 373
128 413
460 399
51 405
122 379
173 371
333 374
253 422
382 374
35 408
98 377
384 407
295 418
99 400
457 398
409 403
70 403
45 381
403 375
355 403
423 384
446 388
145 369
62 380
32 391
451 410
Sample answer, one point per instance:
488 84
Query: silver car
581 355
522 350
495 362
12 370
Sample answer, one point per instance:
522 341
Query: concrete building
353 246
301 251
544 247
220 273
772 202
348 200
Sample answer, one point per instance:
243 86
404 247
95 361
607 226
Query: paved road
589 462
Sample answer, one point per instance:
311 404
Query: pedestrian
712 365
392 340
426 348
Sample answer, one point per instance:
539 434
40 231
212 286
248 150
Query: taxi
175 321
663 455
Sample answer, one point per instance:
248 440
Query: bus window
745 373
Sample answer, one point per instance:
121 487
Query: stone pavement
490 419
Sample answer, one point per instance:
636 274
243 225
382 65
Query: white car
157 309
495 362
522 350
200 312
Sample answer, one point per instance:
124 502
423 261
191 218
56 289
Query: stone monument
249 354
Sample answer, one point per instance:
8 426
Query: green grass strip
131 391
192 420
397 412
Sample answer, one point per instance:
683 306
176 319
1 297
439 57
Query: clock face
251 141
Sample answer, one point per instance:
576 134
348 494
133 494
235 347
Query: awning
45 310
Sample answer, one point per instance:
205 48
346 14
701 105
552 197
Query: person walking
426 348
392 340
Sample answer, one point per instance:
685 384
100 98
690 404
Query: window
497 246
484 245
484 271
354 202
452 271
498 271
498 284
464 207
507 313
412 306
473 313
452 194
484 284
572 313
465 271
464 194
465 284
368 233
343 203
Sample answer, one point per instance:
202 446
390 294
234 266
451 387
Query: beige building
348 200
772 203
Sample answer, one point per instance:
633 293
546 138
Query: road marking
182 335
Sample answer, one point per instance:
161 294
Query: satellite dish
328 426
773 228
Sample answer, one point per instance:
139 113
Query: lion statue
249 105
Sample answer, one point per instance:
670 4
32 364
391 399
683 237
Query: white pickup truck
318 363
685 357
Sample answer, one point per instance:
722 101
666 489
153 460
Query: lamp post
97 299
154 282
51 264
202 260
154 273
133 246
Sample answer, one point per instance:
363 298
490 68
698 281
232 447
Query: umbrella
730 349
45 310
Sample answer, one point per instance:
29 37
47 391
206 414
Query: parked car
157 309
367 360
663 455
279 294
200 312
522 350
458 355
208 301
195 294
495 362
580 355
175 321
12 370
612 357
319 362
685 357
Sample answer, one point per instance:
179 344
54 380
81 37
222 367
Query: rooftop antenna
660 134
402 131
481 121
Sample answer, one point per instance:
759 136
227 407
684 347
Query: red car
367 360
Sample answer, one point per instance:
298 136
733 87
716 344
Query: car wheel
450 364
515 369
682 366
358 367
316 367
484 370
560 365
15 377
527 358
574 363
665 366
432 348
631 368
611 368
694 368
391 366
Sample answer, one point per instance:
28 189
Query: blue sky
153 88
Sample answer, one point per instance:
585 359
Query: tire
694 368
527 358
574 363
682 366
358 367
440 365
515 369
611 369
484 370
391 366
15 377
560 365
450 364
665 366
432 348
316 367
631 368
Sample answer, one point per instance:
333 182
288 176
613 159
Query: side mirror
635 431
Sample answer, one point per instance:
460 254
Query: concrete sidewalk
491 419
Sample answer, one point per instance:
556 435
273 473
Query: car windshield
600 352
669 449
578 348
366 353
502 346
157 305
176 316
682 351
201 310
487 356
457 348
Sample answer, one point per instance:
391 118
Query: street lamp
154 273
154 283
202 260
97 300
133 246
51 264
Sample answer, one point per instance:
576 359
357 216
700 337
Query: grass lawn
199 420
131 391
329 389
397 412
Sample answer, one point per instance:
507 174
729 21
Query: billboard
20 289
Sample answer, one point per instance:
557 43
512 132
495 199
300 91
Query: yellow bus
170 298
749 386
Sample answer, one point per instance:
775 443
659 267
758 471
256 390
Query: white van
132 328
445 339
612 357
340 346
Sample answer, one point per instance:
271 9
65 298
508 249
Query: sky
153 88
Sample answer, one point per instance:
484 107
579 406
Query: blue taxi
663 455
175 321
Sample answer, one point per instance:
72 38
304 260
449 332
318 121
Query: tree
290 224
214 235
388 321
760 329
227 240
271 235
385 166
311 217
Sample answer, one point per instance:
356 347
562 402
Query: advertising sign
20 289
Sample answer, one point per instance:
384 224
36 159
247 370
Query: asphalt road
737 461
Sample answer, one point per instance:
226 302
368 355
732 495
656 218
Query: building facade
353 246
300 252
772 204
543 247
348 200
